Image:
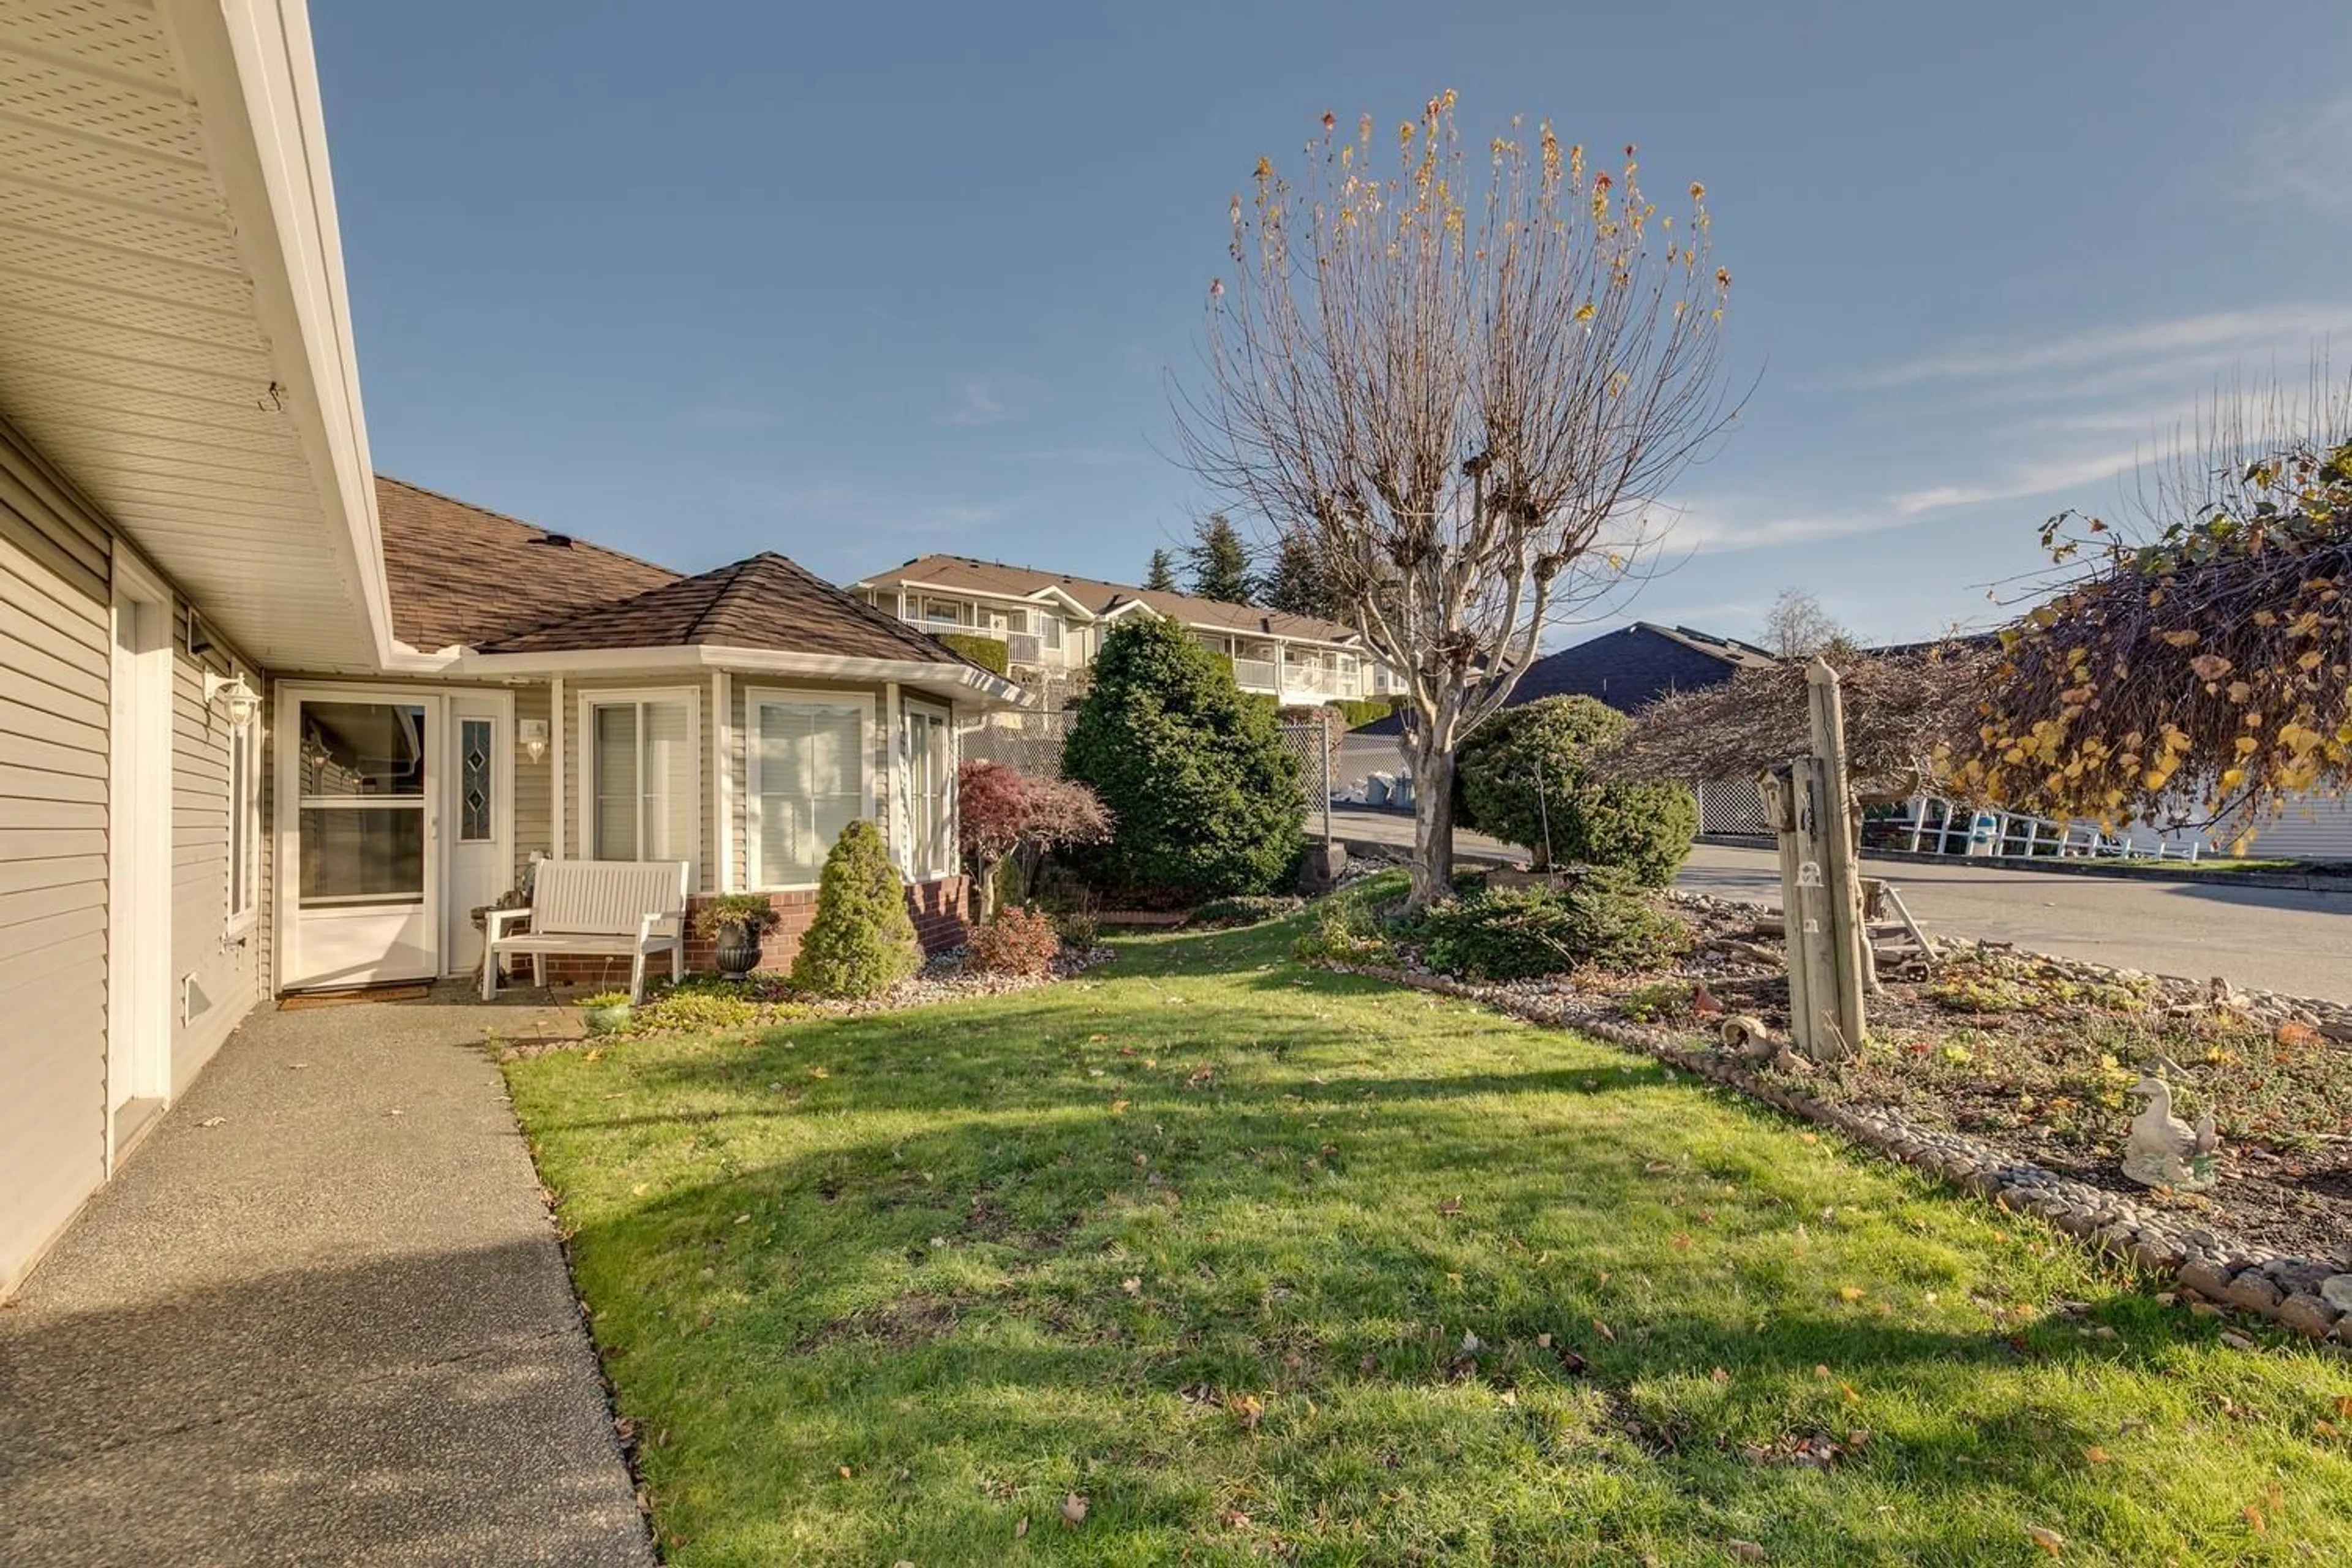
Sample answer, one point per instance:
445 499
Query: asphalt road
2261 938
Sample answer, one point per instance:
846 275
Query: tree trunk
1432 823
986 891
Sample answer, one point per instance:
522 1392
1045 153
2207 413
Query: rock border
2214 1271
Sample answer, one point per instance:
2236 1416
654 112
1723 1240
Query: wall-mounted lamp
239 702
532 734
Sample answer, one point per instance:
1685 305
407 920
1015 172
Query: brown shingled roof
1101 599
765 602
460 573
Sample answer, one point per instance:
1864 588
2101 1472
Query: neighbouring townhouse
1634 665
268 722
1051 624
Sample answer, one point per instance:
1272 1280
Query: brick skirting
941 911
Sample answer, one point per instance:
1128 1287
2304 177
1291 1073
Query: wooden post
1839 863
1780 788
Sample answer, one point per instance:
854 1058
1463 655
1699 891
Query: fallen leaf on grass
1682 1241
1747 1550
1073 1512
2049 1540
1544 1340
1604 1330
1020 1529
1118 1107
1849 1292
2094 1454
1821 1369
2254 1518
2236 1341
1250 1409
1132 1285
2344 1405
819 1072
1450 1207
1719 1376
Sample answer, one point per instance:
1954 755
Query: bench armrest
494 924
651 926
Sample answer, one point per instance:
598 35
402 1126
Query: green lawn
1201 1239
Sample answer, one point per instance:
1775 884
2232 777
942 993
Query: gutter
959 679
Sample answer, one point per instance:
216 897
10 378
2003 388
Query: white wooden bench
604 909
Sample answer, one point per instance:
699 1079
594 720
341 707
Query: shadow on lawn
1014 1345
940 1283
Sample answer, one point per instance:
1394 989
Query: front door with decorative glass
478 783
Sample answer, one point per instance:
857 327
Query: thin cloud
2021 481
2159 347
2299 156
1718 525
981 401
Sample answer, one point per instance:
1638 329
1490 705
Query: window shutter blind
670 776
615 827
812 784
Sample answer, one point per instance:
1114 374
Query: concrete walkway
321 1317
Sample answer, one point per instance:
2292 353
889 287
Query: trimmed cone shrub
1203 796
1645 829
862 941
1016 941
1605 921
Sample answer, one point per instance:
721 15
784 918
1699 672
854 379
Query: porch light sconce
532 734
238 701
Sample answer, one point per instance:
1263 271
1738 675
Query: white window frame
901 773
780 696
616 697
242 892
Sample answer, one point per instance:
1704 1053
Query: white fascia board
249 65
967 682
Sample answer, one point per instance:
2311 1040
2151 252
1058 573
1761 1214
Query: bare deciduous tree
1796 627
1465 387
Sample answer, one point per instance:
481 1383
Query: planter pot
606 1020
737 952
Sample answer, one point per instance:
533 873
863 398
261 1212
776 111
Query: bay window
641 792
807 775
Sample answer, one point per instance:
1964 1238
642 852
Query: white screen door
366 823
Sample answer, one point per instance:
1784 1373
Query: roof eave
250 67
964 682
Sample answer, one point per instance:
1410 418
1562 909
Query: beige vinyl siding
40 516
217 973
54 626
534 783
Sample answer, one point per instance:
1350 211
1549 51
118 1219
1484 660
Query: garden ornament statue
2163 1151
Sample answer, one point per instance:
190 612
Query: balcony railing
1254 674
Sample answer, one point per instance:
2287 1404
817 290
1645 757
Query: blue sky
860 282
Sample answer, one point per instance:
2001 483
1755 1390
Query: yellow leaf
1118 1107
2094 1454
2049 1540
1849 1292
2183 638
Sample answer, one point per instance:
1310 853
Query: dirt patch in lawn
2037 1057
